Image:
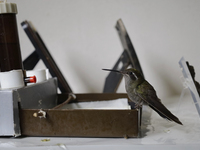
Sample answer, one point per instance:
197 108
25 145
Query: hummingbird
141 91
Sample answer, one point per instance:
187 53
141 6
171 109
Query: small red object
31 79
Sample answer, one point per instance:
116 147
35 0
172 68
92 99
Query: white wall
81 37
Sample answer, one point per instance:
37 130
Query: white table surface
157 133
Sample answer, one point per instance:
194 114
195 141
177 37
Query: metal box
18 107
82 123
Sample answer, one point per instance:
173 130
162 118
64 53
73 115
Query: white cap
7 7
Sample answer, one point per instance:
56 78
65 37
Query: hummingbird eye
132 75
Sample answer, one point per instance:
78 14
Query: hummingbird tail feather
157 106
167 115
163 116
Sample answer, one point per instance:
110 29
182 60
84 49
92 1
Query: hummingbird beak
112 70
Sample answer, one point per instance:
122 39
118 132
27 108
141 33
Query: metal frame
41 52
128 57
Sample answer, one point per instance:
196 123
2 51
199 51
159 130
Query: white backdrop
81 36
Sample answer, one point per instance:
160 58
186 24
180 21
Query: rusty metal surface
81 123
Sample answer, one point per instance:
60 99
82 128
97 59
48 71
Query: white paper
121 103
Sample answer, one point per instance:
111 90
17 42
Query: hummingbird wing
147 93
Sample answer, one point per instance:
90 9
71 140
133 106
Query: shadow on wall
168 82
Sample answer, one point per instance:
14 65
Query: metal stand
41 52
128 57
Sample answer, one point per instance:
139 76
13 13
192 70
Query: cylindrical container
10 54
12 79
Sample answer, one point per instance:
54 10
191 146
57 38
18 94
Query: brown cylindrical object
10 54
